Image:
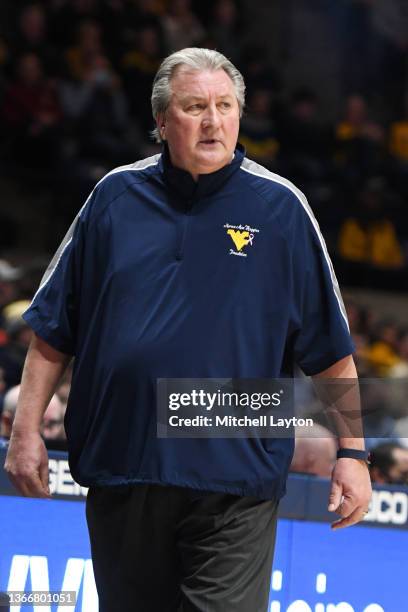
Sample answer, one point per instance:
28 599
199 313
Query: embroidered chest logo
241 236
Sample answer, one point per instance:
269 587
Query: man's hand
27 458
350 481
27 464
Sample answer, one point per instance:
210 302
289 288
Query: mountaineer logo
241 236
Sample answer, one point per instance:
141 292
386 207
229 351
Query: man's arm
27 457
350 477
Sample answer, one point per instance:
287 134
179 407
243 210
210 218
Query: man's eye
195 107
225 105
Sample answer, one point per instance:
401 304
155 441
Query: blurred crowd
381 357
75 84
16 285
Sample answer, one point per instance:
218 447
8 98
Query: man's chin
211 163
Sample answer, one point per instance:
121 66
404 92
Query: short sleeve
322 337
54 310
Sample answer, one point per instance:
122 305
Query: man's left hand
350 492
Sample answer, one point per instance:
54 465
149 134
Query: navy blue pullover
163 277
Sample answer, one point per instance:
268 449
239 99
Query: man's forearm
344 401
43 369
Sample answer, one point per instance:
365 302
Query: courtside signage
45 546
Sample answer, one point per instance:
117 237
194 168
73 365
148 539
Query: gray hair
195 59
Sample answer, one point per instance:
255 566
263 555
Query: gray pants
171 549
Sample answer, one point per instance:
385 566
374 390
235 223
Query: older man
52 421
196 263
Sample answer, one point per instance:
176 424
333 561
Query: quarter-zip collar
182 183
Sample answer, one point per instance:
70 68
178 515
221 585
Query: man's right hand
27 464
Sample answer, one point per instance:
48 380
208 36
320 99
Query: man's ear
161 126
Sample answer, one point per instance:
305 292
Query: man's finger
19 484
336 492
35 486
355 517
29 485
347 505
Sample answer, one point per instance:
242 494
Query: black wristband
353 453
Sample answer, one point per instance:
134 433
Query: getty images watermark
276 408
211 408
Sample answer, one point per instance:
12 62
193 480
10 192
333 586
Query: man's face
398 473
52 425
201 124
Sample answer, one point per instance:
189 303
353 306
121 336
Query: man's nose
211 118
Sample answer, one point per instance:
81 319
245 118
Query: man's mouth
209 141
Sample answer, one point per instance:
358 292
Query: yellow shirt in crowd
376 244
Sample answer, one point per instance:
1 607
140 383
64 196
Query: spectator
401 390
180 26
360 141
52 426
399 138
399 151
97 107
12 354
226 29
360 318
32 113
32 36
142 13
258 132
380 406
8 286
400 370
88 46
315 451
364 367
368 238
382 353
139 66
389 464
356 122
259 72
305 142
64 19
